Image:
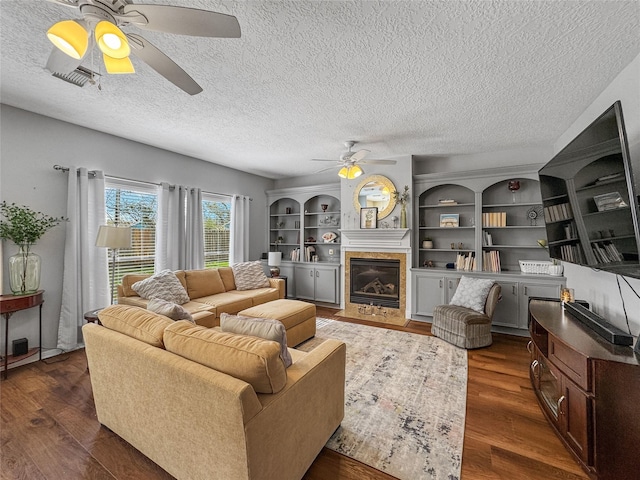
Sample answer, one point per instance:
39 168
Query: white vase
427 244
556 270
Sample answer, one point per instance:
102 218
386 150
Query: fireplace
375 282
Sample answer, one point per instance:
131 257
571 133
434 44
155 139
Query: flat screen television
589 200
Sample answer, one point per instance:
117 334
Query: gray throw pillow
164 285
472 293
266 328
249 275
169 309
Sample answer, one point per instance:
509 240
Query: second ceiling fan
350 161
101 24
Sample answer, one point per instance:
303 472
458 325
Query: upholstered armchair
463 326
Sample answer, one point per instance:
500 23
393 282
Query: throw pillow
164 285
249 275
472 293
267 328
169 309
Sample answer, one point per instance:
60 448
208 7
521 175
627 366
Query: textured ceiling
402 77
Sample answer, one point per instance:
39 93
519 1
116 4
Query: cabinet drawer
572 363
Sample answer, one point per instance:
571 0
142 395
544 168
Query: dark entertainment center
588 389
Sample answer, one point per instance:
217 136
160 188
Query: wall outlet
331 251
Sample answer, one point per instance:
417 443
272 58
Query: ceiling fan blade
185 21
359 155
379 162
66 3
152 56
325 169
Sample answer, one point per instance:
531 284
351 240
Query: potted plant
24 227
427 242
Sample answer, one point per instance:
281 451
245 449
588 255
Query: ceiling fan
350 161
101 24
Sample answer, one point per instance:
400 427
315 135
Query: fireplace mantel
376 237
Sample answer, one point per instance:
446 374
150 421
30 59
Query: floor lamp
113 237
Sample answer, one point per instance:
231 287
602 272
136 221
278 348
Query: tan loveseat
160 386
212 292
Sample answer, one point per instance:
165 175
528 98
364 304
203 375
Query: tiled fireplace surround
378 244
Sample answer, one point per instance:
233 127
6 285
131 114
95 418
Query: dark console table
589 391
9 304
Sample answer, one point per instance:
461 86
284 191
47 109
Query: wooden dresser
589 391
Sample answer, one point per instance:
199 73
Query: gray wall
32 144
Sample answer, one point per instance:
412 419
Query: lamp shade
354 172
275 259
111 236
70 37
343 172
118 65
111 40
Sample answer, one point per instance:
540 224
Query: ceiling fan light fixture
111 40
354 172
70 37
118 65
343 172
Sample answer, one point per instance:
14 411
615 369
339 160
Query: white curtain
239 241
179 229
85 282
167 230
194 231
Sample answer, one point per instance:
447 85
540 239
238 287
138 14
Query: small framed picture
449 220
369 217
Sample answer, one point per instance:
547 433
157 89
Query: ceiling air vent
78 77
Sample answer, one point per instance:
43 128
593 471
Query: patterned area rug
405 401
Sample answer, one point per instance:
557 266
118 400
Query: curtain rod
171 187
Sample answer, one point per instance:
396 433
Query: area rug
405 400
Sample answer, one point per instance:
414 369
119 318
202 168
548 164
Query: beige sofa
212 292
155 386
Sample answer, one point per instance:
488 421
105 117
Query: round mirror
375 191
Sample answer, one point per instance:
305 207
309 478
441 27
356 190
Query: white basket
533 266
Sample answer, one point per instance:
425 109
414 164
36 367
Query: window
136 205
216 218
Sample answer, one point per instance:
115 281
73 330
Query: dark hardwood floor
49 428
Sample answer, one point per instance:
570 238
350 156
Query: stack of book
466 262
487 239
572 253
494 219
606 252
491 261
561 211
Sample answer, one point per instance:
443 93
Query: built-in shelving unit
493 221
304 224
446 216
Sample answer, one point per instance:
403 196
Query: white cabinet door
326 279
305 282
431 290
318 283
507 312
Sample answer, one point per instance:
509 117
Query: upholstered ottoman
299 318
